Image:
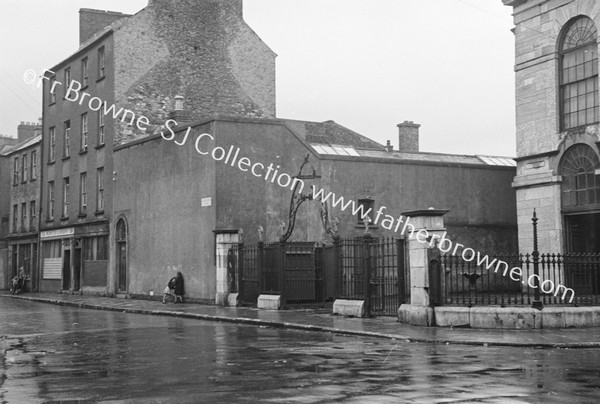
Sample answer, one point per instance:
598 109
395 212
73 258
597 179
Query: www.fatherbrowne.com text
272 173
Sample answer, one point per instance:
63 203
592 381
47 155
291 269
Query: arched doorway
121 240
580 198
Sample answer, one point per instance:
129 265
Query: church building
558 123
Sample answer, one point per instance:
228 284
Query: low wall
517 317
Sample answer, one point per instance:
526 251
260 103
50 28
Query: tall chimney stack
27 130
93 21
408 136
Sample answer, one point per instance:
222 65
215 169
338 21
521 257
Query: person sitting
22 278
14 288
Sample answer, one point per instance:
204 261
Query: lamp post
537 303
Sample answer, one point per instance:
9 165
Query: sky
366 64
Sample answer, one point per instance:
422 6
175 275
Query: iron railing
466 283
373 270
295 271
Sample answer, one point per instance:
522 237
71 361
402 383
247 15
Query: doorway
583 233
77 269
121 256
66 271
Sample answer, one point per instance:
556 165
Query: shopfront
74 259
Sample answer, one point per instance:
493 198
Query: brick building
25 201
137 65
16 154
558 119
6 142
175 206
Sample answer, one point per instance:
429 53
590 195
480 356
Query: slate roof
332 139
330 133
24 144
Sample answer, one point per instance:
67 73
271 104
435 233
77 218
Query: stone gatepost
423 230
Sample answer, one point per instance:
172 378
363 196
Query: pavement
321 320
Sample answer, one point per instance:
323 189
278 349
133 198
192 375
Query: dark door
15 263
34 267
66 272
77 270
122 263
583 233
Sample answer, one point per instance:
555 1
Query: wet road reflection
52 354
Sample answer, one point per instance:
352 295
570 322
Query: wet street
61 354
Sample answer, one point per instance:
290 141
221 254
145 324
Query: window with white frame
82 194
66 186
100 189
84 131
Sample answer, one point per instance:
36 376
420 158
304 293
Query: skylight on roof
498 161
335 150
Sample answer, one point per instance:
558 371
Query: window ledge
83 151
66 157
64 218
99 212
51 162
50 220
101 78
82 215
100 146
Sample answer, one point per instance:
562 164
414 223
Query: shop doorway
77 269
66 271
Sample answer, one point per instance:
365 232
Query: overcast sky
366 64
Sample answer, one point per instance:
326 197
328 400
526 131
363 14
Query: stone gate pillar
421 229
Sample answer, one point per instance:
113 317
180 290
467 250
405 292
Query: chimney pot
388 147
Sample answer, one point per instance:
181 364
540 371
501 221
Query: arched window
580 170
121 231
579 74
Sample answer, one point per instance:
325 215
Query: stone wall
201 50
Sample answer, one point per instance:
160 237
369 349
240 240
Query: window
50 200
25 167
82 194
95 248
84 131
366 210
100 190
67 79
65 210
100 127
23 215
580 173
84 71
579 75
15 217
52 148
101 62
52 90
32 215
16 172
33 165
67 139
